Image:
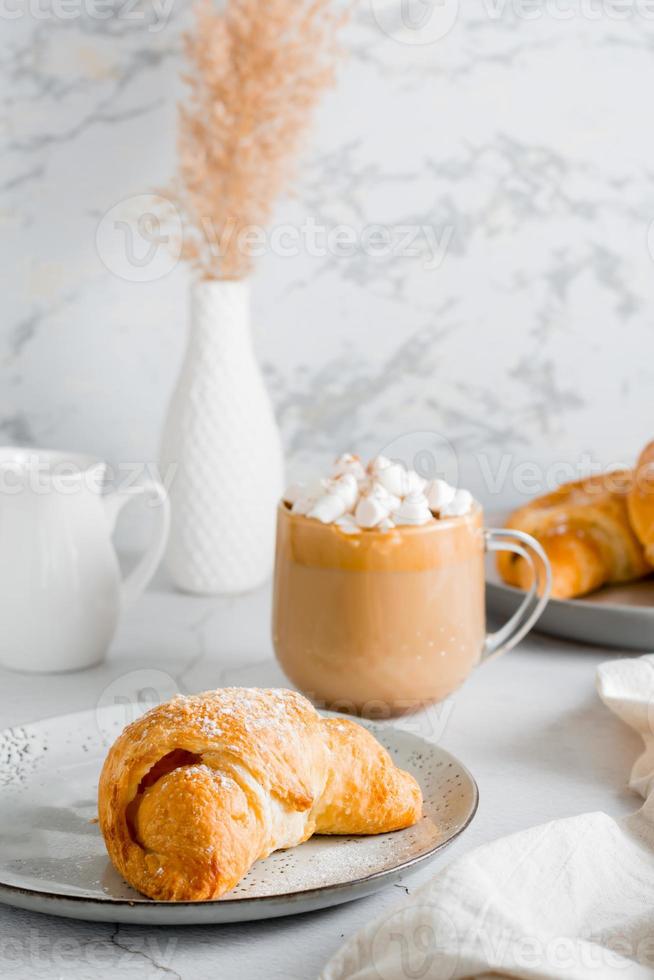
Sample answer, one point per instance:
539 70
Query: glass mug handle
531 607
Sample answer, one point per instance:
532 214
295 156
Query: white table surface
529 726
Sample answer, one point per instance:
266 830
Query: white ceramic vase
223 444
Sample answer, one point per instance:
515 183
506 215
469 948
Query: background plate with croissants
616 616
598 534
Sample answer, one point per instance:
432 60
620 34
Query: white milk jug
61 592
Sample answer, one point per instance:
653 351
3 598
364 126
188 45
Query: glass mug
389 621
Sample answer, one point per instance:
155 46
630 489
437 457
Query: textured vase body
223 443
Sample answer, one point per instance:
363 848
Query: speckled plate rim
143 911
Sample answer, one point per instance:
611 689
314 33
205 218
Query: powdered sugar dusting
214 713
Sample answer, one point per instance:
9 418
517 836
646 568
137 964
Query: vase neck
220 314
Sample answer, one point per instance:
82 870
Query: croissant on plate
587 535
198 789
641 501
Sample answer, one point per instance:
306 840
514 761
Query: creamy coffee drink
391 616
379 588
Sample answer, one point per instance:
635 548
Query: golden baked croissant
585 530
199 788
641 501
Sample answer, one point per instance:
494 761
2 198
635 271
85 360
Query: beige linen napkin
571 900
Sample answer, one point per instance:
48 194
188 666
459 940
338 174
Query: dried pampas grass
257 70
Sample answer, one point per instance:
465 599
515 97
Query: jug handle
139 578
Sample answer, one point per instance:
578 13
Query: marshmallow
415 483
394 478
328 508
388 500
386 525
346 487
307 497
460 504
439 494
347 524
370 512
347 463
414 509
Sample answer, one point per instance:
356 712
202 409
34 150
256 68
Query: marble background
518 131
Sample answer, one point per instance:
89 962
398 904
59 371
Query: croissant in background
199 788
641 501
587 535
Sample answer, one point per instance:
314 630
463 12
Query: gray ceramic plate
620 616
52 857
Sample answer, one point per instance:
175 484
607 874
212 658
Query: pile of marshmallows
381 496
